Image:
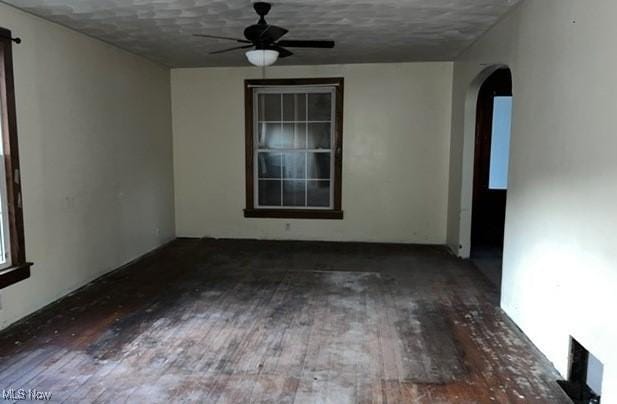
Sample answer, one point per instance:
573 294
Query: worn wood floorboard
222 321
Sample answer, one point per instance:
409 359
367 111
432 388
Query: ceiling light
262 57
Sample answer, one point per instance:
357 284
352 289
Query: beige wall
560 268
95 142
395 154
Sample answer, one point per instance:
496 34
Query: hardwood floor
247 321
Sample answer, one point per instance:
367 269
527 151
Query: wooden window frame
251 211
19 268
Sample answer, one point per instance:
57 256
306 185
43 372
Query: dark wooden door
489 205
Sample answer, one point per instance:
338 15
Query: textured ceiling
364 31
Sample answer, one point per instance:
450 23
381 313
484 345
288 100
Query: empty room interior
325 201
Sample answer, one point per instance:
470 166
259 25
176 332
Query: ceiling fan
265 39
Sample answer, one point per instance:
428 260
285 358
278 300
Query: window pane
318 194
269 133
319 107
276 135
500 142
318 136
269 193
300 136
294 107
294 193
319 165
294 148
294 165
301 107
287 136
269 165
3 240
269 107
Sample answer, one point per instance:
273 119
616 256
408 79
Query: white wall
395 153
94 126
560 267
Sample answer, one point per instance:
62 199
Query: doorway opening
584 383
490 178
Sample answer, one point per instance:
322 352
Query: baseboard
87 284
291 240
454 250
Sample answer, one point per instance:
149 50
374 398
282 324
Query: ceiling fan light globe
262 57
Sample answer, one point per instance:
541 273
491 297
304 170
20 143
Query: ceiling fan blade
283 53
272 33
230 49
222 37
306 44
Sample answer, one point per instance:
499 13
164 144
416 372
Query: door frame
484 225
467 168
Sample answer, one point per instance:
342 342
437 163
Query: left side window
13 264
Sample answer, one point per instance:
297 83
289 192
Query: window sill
294 214
14 274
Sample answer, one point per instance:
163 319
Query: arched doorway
490 178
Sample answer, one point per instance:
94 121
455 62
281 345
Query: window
500 143
294 148
13 265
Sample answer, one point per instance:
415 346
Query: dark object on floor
576 386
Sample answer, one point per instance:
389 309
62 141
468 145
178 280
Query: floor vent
584 376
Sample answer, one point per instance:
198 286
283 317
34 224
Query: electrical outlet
287 226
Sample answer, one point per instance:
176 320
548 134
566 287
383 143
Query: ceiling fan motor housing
262 8
255 32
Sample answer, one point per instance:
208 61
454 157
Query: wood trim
326 81
338 144
13 275
294 213
248 141
488 205
336 212
11 161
